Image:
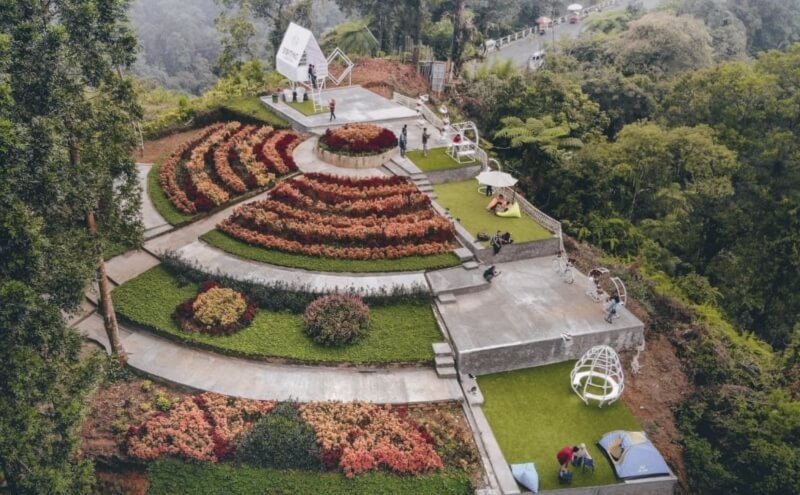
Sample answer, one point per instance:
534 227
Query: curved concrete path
213 260
308 162
265 381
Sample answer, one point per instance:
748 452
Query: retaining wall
541 352
454 174
358 162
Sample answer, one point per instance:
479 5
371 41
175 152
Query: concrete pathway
154 223
214 260
255 380
308 162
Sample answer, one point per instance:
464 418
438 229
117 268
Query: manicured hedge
409 263
400 332
173 477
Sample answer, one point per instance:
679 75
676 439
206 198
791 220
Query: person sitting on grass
565 456
498 203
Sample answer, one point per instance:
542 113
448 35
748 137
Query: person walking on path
425 137
332 107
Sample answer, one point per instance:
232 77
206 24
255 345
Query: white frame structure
465 150
598 376
298 49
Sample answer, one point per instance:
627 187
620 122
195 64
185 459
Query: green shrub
162 402
175 477
280 440
337 319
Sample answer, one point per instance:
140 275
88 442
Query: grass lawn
437 159
400 333
410 263
174 477
306 107
534 413
252 107
469 206
160 200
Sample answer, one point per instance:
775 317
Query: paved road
520 51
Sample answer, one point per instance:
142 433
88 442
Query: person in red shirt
565 455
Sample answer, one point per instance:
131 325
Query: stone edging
358 162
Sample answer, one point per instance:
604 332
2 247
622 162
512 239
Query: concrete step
470 265
432 195
464 254
449 372
445 361
425 188
418 176
446 298
395 169
442 349
406 165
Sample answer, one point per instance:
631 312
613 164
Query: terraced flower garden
332 223
400 333
224 161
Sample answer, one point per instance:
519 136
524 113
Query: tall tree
69 189
279 13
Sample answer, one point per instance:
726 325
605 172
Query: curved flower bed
216 311
359 219
225 160
358 139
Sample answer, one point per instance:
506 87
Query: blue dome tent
633 455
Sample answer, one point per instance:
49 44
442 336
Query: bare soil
661 383
126 481
385 76
158 148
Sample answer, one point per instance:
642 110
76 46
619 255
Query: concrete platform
529 317
456 280
354 104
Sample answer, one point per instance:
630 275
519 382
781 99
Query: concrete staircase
445 363
406 168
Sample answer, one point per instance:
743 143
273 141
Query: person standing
402 143
332 107
425 137
496 242
312 75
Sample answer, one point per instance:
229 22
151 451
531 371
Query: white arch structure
460 147
598 376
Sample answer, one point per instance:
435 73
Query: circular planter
347 161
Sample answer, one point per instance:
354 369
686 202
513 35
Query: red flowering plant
358 437
201 427
215 310
359 219
358 139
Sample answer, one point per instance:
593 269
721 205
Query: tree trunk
458 37
107 306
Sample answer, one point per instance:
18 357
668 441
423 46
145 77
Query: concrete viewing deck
530 317
354 104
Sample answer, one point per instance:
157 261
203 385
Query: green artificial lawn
306 107
469 207
252 107
160 200
176 477
399 333
534 413
409 263
437 159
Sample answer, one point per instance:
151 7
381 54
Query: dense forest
668 139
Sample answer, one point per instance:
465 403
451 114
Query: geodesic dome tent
598 376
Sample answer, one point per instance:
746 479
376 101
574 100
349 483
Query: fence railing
545 220
520 35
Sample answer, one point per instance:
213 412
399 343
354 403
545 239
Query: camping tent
633 456
289 60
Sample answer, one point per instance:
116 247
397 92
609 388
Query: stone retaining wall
358 162
541 352
454 174
521 251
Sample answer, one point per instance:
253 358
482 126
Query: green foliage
354 38
174 477
161 202
336 320
280 440
437 159
315 263
401 332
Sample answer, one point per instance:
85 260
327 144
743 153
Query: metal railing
520 35
545 220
